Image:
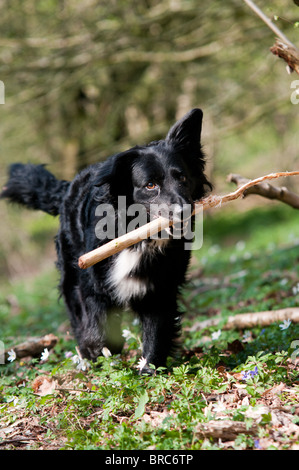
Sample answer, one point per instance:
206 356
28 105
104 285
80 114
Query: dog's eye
183 179
151 185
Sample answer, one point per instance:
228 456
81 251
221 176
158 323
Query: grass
248 263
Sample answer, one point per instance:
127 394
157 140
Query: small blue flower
249 374
257 444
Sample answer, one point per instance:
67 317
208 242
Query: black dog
145 277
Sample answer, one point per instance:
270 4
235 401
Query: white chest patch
126 285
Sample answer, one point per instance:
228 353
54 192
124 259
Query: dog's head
164 174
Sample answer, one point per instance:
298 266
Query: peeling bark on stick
249 320
288 53
266 190
227 430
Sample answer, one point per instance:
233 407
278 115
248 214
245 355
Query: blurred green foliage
84 79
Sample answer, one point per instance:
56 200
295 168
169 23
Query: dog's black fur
145 277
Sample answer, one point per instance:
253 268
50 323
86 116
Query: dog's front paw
146 371
144 368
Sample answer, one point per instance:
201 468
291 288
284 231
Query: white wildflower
76 359
240 245
11 355
45 354
13 400
213 250
285 324
106 352
141 363
83 365
216 334
126 334
233 258
295 289
219 406
247 336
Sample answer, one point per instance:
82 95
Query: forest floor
228 389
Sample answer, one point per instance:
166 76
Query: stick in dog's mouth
161 223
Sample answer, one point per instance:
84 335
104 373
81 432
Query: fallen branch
227 430
33 346
266 190
250 320
17 441
145 231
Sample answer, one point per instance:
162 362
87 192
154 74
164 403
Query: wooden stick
225 429
249 320
267 190
118 244
33 346
115 246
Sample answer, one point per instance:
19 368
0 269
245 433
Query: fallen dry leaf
43 385
275 390
155 418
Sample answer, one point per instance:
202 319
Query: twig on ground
249 320
226 430
17 441
33 346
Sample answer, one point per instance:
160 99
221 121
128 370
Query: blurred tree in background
87 78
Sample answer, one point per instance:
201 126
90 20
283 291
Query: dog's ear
185 136
117 171
187 131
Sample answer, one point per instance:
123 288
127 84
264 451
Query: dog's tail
34 187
